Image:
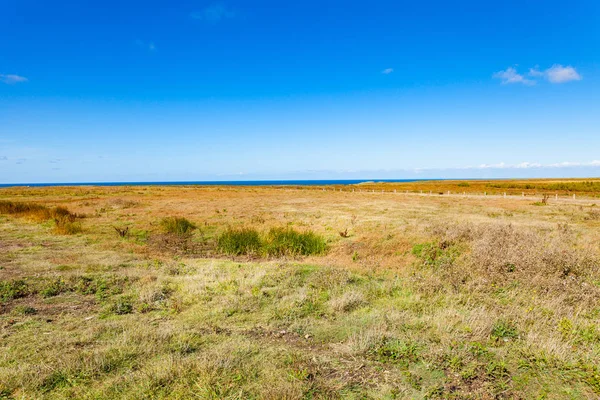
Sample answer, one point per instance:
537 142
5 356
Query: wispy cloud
3 158
510 75
559 74
387 71
146 45
215 13
555 74
11 79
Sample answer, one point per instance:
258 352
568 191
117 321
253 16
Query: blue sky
193 90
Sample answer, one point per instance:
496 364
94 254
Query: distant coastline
321 182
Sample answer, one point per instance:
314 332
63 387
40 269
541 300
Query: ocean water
218 183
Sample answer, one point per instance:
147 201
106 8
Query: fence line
574 198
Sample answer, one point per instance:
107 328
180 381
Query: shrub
177 225
288 242
236 242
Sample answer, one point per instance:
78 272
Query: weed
505 330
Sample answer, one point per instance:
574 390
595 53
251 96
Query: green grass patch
288 242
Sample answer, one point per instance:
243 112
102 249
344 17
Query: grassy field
270 293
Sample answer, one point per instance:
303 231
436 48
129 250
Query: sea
219 183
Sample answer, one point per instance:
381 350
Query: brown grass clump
65 221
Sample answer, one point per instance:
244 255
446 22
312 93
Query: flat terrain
416 296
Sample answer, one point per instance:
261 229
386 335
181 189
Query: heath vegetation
255 293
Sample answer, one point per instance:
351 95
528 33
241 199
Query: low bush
242 241
177 225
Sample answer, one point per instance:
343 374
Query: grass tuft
236 242
177 225
288 242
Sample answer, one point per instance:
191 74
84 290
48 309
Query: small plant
121 305
545 198
121 232
505 330
236 242
177 225
464 184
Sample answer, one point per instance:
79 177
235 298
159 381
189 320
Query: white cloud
535 71
10 79
559 74
3 158
215 13
387 71
555 74
510 75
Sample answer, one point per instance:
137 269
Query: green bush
177 225
288 242
235 242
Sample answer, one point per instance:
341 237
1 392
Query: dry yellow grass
427 297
